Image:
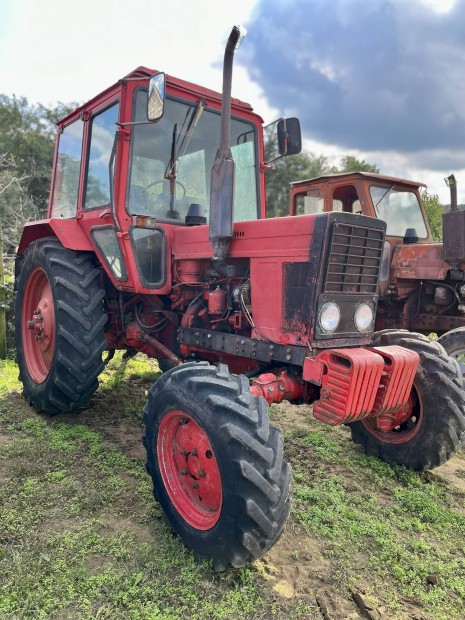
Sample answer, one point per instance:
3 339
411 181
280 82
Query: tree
434 211
16 204
349 163
27 133
27 139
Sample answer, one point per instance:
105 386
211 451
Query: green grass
406 530
81 536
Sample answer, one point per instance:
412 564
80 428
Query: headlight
363 317
330 315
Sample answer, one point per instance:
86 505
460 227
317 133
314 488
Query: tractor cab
121 182
396 201
130 170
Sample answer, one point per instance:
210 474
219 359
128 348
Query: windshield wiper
388 191
171 172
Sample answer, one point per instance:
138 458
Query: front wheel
435 428
216 464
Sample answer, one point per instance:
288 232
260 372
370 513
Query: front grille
354 259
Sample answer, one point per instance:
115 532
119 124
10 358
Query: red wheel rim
405 431
189 470
38 326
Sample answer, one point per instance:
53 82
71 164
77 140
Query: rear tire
454 344
59 326
436 427
216 464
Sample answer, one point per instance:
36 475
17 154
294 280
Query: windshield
399 209
192 135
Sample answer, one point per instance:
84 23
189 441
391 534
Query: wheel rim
38 326
189 470
405 431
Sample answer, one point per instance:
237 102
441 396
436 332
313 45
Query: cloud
384 75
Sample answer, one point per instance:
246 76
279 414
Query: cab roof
146 73
371 176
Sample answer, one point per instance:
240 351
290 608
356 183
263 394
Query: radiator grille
354 259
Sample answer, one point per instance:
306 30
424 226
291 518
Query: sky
382 80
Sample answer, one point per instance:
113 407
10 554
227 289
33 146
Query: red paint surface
189 470
38 326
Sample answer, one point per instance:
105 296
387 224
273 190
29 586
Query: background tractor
422 283
156 241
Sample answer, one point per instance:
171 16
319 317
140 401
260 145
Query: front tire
59 323
216 464
436 427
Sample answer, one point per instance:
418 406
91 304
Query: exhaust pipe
453 229
223 170
452 185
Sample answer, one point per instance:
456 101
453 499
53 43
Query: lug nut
195 485
184 470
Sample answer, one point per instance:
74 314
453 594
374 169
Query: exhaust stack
453 228
223 169
452 185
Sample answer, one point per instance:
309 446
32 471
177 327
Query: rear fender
68 232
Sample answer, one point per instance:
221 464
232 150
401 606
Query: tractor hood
419 261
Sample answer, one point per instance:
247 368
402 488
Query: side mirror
156 99
289 136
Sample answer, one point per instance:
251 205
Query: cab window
102 136
310 201
68 167
171 161
399 209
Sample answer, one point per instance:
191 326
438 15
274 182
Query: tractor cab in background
422 282
396 201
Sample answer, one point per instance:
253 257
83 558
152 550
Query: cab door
97 217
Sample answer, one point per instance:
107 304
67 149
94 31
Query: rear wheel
216 464
59 322
435 428
454 344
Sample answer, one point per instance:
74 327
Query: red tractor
156 241
422 282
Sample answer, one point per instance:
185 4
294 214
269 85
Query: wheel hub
402 426
38 326
190 470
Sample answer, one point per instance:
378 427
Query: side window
102 136
309 202
105 238
245 201
68 166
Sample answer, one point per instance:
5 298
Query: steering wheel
162 181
